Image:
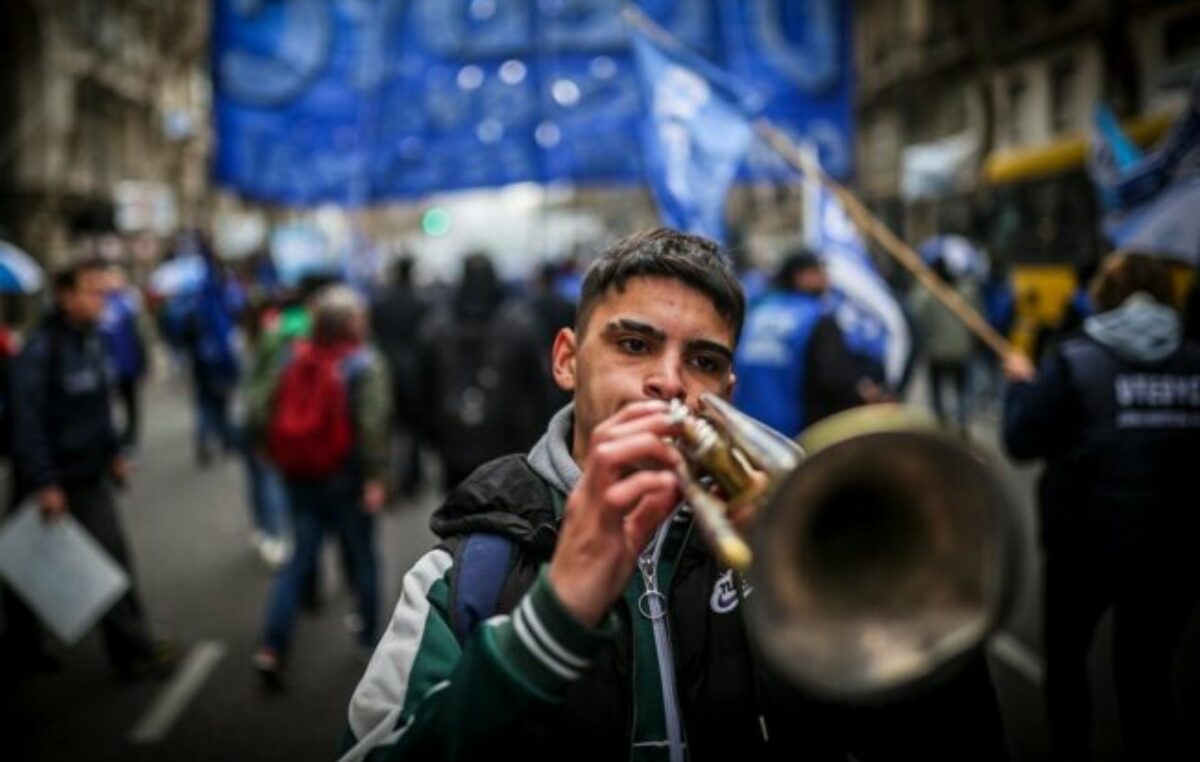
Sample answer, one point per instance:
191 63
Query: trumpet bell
882 559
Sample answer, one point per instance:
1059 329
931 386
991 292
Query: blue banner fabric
694 136
356 101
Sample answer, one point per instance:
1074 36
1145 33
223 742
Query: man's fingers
625 494
627 414
613 458
645 519
658 424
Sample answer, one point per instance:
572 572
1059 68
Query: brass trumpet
881 551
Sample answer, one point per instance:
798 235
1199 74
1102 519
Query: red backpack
310 433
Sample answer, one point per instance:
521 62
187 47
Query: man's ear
562 358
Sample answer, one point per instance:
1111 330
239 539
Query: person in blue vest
1115 412
792 364
126 346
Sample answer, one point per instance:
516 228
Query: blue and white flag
695 133
1168 225
19 274
867 311
1126 179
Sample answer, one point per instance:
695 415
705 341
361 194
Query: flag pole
867 222
881 234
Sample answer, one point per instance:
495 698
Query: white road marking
1018 656
189 677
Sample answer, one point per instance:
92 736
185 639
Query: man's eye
634 345
708 364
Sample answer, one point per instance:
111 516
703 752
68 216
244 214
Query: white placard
60 571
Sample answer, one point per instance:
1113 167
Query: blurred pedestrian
484 382
122 328
793 366
553 312
329 438
203 322
262 328
1115 413
947 343
396 319
536 629
68 458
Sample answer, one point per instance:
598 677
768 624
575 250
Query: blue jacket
770 359
118 327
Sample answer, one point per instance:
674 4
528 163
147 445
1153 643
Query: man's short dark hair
664 253
67 278
795 261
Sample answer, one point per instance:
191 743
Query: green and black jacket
531 683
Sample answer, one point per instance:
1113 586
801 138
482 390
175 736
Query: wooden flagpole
870 225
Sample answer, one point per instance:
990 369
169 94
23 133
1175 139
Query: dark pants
408 467
956 375
212 419
317 506
129 390
1151 604
126 635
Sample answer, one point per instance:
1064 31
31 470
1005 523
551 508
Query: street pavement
203 584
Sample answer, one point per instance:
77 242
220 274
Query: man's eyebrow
634 326
705 345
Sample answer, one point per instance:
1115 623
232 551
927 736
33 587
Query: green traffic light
436 222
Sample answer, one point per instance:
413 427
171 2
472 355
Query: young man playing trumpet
608 630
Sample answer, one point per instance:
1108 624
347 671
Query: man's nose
665 381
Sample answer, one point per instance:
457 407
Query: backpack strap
481 568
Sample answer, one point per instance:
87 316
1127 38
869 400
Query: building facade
973 117
103 121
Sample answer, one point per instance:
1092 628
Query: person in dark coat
396 319
1115 412
553 312
67 458
484 382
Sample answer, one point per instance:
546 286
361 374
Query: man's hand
1017 367
374 496
52 502
627 489
119 469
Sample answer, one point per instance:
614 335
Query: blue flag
1126 179
695 133
866 310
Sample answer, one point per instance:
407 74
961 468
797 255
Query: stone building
974 116
103 121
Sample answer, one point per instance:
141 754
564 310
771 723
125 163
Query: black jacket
62 417
1121 441
722 685
484 384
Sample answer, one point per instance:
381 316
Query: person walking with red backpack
328 436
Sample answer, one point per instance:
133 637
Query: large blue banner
354 101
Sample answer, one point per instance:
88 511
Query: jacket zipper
655 605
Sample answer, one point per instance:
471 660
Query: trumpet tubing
878 560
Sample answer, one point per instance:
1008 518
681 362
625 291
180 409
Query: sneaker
270 669
274 553
159 664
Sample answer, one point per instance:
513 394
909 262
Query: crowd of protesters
335 397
